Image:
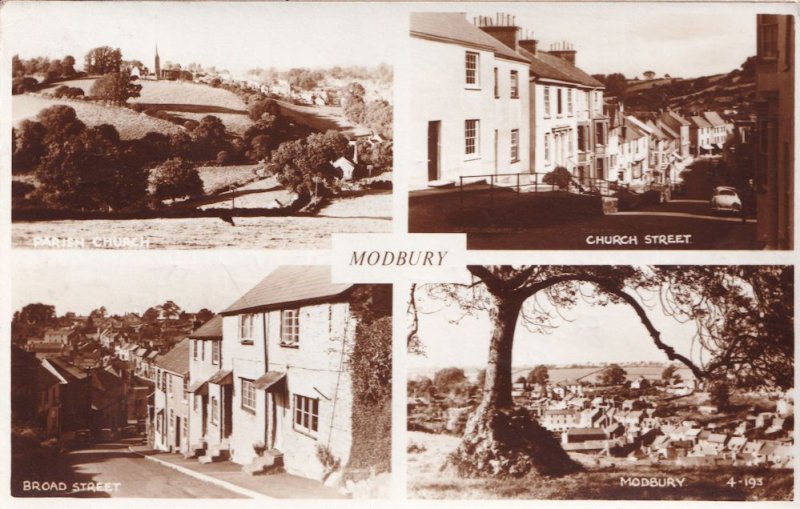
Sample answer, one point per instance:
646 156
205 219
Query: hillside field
180 99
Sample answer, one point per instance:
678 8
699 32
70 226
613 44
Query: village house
171 399
719 130
282 390
682 127
35 393
74 394
701 136
474 118
205 361
774 175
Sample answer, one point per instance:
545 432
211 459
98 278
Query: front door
227 412
177 432
434 134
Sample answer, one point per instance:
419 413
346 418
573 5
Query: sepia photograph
244 125
200 381
603 382
602 126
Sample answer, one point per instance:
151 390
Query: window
546 101
194 349
514 145
582 138
559 106
185 387
496 84
215 346
172 418
196 402
248 395
306 414
169 385
471 140
569 102
570 144
600 134
547 148
767 37
246 328
472 68
514 85
290 327
202 350
214 410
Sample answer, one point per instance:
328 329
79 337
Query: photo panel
603 382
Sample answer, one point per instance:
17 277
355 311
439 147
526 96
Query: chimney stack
563 50
503 28
529 43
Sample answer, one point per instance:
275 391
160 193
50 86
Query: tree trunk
500 440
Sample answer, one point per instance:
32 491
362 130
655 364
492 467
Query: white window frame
570 109
305 417
472 134
246 328
472 69
248 394
290 333
216 348
546 102
547 148
514 85
514 145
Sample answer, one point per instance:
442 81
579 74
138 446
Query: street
685 222
110 470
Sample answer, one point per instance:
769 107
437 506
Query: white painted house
469 102
283 357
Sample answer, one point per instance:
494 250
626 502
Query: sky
236 35
679 39
587 333
674 38
130 284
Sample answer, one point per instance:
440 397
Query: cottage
283 383
171 399
473 119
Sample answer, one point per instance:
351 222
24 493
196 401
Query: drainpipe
266 369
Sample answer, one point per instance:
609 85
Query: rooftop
176 360
290 285
212 329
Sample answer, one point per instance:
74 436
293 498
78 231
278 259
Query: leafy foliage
538 375
559 177
116 88
175 178
613 375
103 60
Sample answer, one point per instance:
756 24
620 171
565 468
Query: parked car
725 199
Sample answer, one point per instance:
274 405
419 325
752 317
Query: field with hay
426 480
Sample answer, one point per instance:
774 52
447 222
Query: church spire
157 64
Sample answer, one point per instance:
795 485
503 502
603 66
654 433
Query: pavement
229 475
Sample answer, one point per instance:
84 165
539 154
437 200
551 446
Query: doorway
434 149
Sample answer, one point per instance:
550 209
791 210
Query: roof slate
176 360
545 65
454 27
289 285
212 329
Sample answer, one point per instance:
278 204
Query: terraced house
269 382
171 400
469 102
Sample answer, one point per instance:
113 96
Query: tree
613 375
100 313
116 88
103 60
378 117
742 316
448 378
720 394
649 75
303 166
29 146
539 376
90 171
353 102
210 136
174 179
30 321
169 310
151 315
669 372
204 315
61 124
616 83
258 109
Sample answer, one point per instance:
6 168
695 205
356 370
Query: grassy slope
129 123
426 480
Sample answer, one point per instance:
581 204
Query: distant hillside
734 91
